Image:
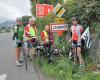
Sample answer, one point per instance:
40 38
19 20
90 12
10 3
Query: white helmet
31 19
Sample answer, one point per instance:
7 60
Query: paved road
7 62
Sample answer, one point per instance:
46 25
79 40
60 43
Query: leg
28 50
81 61
74 50
18 51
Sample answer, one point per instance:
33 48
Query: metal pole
6 14
6 21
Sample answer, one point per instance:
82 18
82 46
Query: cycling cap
31 19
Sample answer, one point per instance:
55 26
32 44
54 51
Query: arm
52 38
15 34
26 30
81 30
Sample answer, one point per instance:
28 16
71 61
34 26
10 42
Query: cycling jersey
46 36
18 35
76 32
29 31
19 30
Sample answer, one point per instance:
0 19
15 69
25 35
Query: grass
63 69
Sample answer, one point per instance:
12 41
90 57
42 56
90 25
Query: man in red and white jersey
76 32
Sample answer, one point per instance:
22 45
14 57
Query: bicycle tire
25 58
75 55
41 57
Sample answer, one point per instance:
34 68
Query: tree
87 11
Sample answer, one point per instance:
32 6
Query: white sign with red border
58 27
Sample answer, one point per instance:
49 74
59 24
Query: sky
11 9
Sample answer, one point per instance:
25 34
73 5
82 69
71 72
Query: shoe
18 63
81 65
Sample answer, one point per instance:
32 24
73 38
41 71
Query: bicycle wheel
75 55
41 56
25 57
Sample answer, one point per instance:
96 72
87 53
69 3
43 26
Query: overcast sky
14 8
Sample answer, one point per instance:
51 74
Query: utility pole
6 15
6 20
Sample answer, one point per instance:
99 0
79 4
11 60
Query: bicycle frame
74 53
24 54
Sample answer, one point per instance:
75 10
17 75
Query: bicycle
44 53
25 54
73 53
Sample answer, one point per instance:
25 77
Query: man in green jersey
18 37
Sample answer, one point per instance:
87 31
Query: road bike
44 53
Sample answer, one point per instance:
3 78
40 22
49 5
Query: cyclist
47 38
76 31
18 37
30 35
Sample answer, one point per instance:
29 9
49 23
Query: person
76 31
18 37
30 36
47 38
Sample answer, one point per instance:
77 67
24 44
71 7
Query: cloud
9 11
14 8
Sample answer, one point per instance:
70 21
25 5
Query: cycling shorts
17 44
31 43
76 43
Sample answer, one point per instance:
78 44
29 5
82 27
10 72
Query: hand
19 41
69 42
46 41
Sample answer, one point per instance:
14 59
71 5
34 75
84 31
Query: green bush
63 69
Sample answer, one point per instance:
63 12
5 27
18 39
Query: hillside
9 23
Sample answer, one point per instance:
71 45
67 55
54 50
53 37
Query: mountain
9 23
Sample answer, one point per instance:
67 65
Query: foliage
88 11
63 69
42 22
33 9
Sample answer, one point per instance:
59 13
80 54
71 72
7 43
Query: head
47 28
74 21
31 21
19 21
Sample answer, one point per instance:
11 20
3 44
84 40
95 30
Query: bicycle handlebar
27 39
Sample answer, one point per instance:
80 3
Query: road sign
59 10
58 27
59 20
43 10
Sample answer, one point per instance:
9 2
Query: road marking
3 76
